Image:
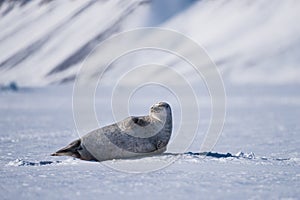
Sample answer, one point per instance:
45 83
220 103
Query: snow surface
264 121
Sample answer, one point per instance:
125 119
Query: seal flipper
70 150
141 121
77 150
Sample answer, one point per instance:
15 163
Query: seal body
131 137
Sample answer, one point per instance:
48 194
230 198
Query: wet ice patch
19 162
241 154
71 161
240 157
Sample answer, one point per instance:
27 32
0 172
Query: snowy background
255 45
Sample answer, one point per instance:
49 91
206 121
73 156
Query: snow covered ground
264 121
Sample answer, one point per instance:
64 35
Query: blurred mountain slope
252 42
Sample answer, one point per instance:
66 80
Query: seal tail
70 150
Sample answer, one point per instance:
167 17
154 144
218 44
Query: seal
132 137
